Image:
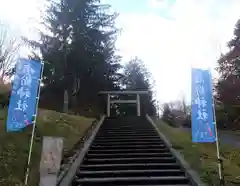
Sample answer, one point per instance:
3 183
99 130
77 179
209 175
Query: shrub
5 90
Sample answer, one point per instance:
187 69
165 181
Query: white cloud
171 47
21 15
22 18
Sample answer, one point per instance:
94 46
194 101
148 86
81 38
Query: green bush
4 94
187 122
169 119
221 116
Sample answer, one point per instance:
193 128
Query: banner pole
34 128
220 163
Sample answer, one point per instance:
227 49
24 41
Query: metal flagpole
34 128
220 163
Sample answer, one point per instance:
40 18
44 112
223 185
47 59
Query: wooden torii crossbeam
136 101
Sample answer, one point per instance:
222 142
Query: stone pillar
108 105
138 105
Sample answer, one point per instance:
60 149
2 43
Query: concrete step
130 173
130 166
127 140
134 180
109 146
128 137
121 151
127 155
129 143
95 161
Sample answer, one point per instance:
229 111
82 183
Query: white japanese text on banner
203 129
24 94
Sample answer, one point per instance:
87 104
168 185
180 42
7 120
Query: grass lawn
202 157
14 146
230 132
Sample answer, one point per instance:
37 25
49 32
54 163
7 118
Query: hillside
14 146
205 155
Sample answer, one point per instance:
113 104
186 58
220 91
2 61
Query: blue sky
143 6
171 36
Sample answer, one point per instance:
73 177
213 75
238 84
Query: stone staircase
129 151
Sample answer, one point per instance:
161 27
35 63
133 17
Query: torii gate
136 101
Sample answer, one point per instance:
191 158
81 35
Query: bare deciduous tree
9 48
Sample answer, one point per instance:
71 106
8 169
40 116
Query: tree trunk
65 101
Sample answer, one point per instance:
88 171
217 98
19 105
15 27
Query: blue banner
22 106
203 129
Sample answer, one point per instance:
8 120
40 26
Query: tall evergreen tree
229 63
137 77
229 82
78 48
235 41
